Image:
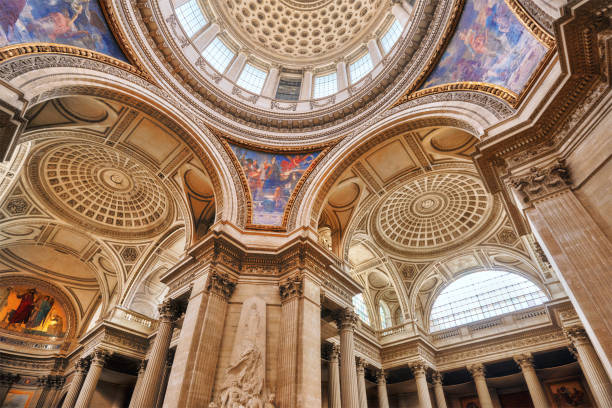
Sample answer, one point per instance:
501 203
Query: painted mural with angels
78 23
30 310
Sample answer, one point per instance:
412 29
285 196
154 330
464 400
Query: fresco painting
18 399
490 45
79 23
28 310
567 394
271 178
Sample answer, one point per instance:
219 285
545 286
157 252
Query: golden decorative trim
18 50
496 90
247 191
531 24
222 135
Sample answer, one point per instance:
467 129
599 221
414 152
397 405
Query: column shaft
478 373
346 321
306 91
287 361
151 381
334 379
164 384
138 385
538 397
381 385
206 37
439 390
271 83
91 380
363 396
75 385
421 382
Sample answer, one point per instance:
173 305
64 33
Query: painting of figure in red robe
31 310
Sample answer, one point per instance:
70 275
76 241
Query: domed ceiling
301 31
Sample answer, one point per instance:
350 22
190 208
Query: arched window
481 295
385 315
360 308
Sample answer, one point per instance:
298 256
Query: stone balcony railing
526 318
133 320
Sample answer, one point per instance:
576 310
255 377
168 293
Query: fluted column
220 288
593 370
381 385
478 374
164 384
290 291
538 397
57 382
157 360
346 321
363 396
80 370
438 390
334 377
141 371
6 382
419 370
98 359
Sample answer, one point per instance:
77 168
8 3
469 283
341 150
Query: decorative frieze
542 181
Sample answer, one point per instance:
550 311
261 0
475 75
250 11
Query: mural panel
30 310
567 394
489 45
271 178
79 23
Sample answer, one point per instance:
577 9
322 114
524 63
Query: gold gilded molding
496 90
245 185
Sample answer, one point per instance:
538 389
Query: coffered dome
302 31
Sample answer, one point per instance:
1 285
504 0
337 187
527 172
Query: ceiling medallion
433 212
101 188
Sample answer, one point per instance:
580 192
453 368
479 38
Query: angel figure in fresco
44 305
24 310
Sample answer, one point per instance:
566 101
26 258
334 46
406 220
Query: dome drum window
325 85
252 79
289 89
360 68
191 18
482 295
218 55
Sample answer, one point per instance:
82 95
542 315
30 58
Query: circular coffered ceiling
302 30
101 188
434 212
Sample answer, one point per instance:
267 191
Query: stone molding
8 379
541 182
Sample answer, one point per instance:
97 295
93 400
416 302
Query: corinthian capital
477 370
361 364
291 287
577 335
418 368
100 357
524 361
168 310
346 318
221 284
542 181
81 365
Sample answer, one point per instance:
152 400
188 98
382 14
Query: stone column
80 369
438 390
220 288
381 385
334 377
401 14
593 370
236 67
271 83
538 396
286 392
141 371
579 251
363 396
6 382
346 320
164 383
98 359
306 91
157 359
57 382
374 50
478 373
341 75
419 370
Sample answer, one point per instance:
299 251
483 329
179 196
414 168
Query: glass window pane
360 308
218 55
191 18
360 68
391 36
482 295
252 79
289 89
325 85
